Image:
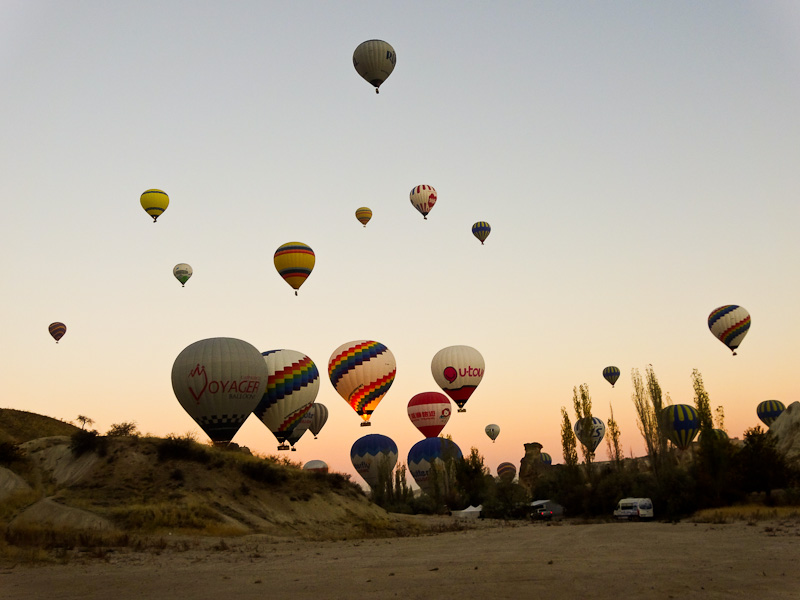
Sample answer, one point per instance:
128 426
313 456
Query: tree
471 478
612 440
649 403
759 464
123 430
582 402
568 445
84 421
702 402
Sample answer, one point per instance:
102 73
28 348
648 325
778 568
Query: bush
182 448
123 430
10 453
263 471
85 440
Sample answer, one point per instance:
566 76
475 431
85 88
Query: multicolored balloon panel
481 230
423 197
429 412
369 453
57 330
294 261
363 215
769 410
611 374
362 372
154 202
458 370
681 423
374 60
729 324
590 432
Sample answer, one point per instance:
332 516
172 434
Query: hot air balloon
362 372
429 412
319 419
611 375
292 387
769 410
182 273
57 330
681 423
506 471
374 60
716 434
372 452
429 454
481 230
492 431
590 433
363 214
546 458
316 466
154 202
294 262
423 197
299 429
729 324
458 370
219 381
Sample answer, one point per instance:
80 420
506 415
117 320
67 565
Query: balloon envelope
481 230
374 60
429 454
506 471
57 330
458 370
769 410
362 372
316 466
729 324
681 423
611 374
292 386
294 261
423 197
590 432
429 412
363 215
492 431
546 458
368 453
154 202
182 273
219 381
299 429
319 418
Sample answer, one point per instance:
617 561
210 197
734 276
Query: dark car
542 514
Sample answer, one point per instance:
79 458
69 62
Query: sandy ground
610 560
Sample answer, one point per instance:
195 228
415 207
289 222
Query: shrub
85 440
123 430
182 448
262 471
10 453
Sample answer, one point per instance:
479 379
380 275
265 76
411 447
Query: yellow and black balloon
154 202
294 261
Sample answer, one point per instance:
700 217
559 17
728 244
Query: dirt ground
608 560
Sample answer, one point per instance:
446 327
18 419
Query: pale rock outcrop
786 430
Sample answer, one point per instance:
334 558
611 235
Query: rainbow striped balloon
481 230
294 262
729 324
362 372
681 423
769 410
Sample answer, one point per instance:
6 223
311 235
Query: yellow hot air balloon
294 262
154 202
374 60
363 214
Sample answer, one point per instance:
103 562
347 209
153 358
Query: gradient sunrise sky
637 162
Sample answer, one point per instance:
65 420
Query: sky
637 163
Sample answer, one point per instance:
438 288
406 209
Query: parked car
545 510
634 509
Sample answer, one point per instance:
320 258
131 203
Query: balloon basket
366 424
462 410
283 447
294 449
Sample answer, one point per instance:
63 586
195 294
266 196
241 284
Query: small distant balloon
611 375
769 410
319 419
154 202
729 324
182 273
294 261
316 466
590 433
374 60
546 458
506 471
492 431
423 197
481 230
57 330
363 215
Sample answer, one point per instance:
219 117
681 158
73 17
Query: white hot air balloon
219 381
492 431
458 370
362 372
423 197
182 273
374 60
729 324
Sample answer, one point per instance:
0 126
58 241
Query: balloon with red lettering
611 374
506 471
590 432
423 197
292 386
298 431
182 273
57 330
769 410
431 454
429 412
481 230
372 453
374 60
320 417
458 370
219 381
363 215
729 324
492 431
154 202
294 261
316 466
682 424
362 372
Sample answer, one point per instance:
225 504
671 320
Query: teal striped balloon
681 424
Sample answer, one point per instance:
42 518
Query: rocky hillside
17 426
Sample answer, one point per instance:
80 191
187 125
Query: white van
634 509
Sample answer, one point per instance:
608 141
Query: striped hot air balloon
611 375
546 458
729 324
154 202
769 410
481 230
681 423
590 432
506 471
319 419
423 197
429 412
374 60
294 262
363 215
57 330
362 372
